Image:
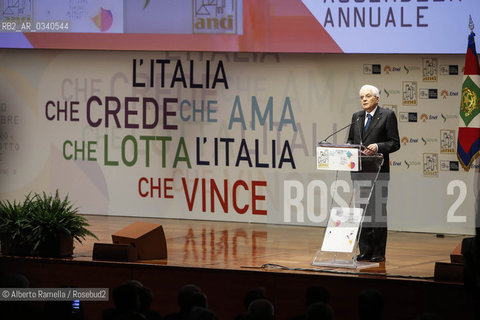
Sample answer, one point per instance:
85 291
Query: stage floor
234 246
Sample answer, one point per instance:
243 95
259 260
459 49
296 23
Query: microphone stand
324 141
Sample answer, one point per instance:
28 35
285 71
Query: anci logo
216 16
430 69
447 141
409 93
430 164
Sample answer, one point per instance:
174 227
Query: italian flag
468 148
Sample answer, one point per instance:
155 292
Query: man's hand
371 149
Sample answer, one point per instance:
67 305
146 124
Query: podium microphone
324 141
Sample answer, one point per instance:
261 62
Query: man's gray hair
371 88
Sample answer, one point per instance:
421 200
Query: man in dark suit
377 129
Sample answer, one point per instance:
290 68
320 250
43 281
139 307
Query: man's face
368 100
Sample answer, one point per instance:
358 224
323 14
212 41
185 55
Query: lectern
344 225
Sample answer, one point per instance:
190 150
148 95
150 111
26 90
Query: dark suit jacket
383 130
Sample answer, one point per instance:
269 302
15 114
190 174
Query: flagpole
468 143
476 180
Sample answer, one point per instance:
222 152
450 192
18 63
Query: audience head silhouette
190 296
260 309
319 311
132 301
201 313
253 295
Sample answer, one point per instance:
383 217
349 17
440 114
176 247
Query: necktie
368 122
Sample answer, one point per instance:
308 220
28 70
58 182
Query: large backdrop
225 136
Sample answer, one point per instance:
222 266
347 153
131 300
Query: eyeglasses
368 96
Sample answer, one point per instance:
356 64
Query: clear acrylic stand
342 234
340 241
